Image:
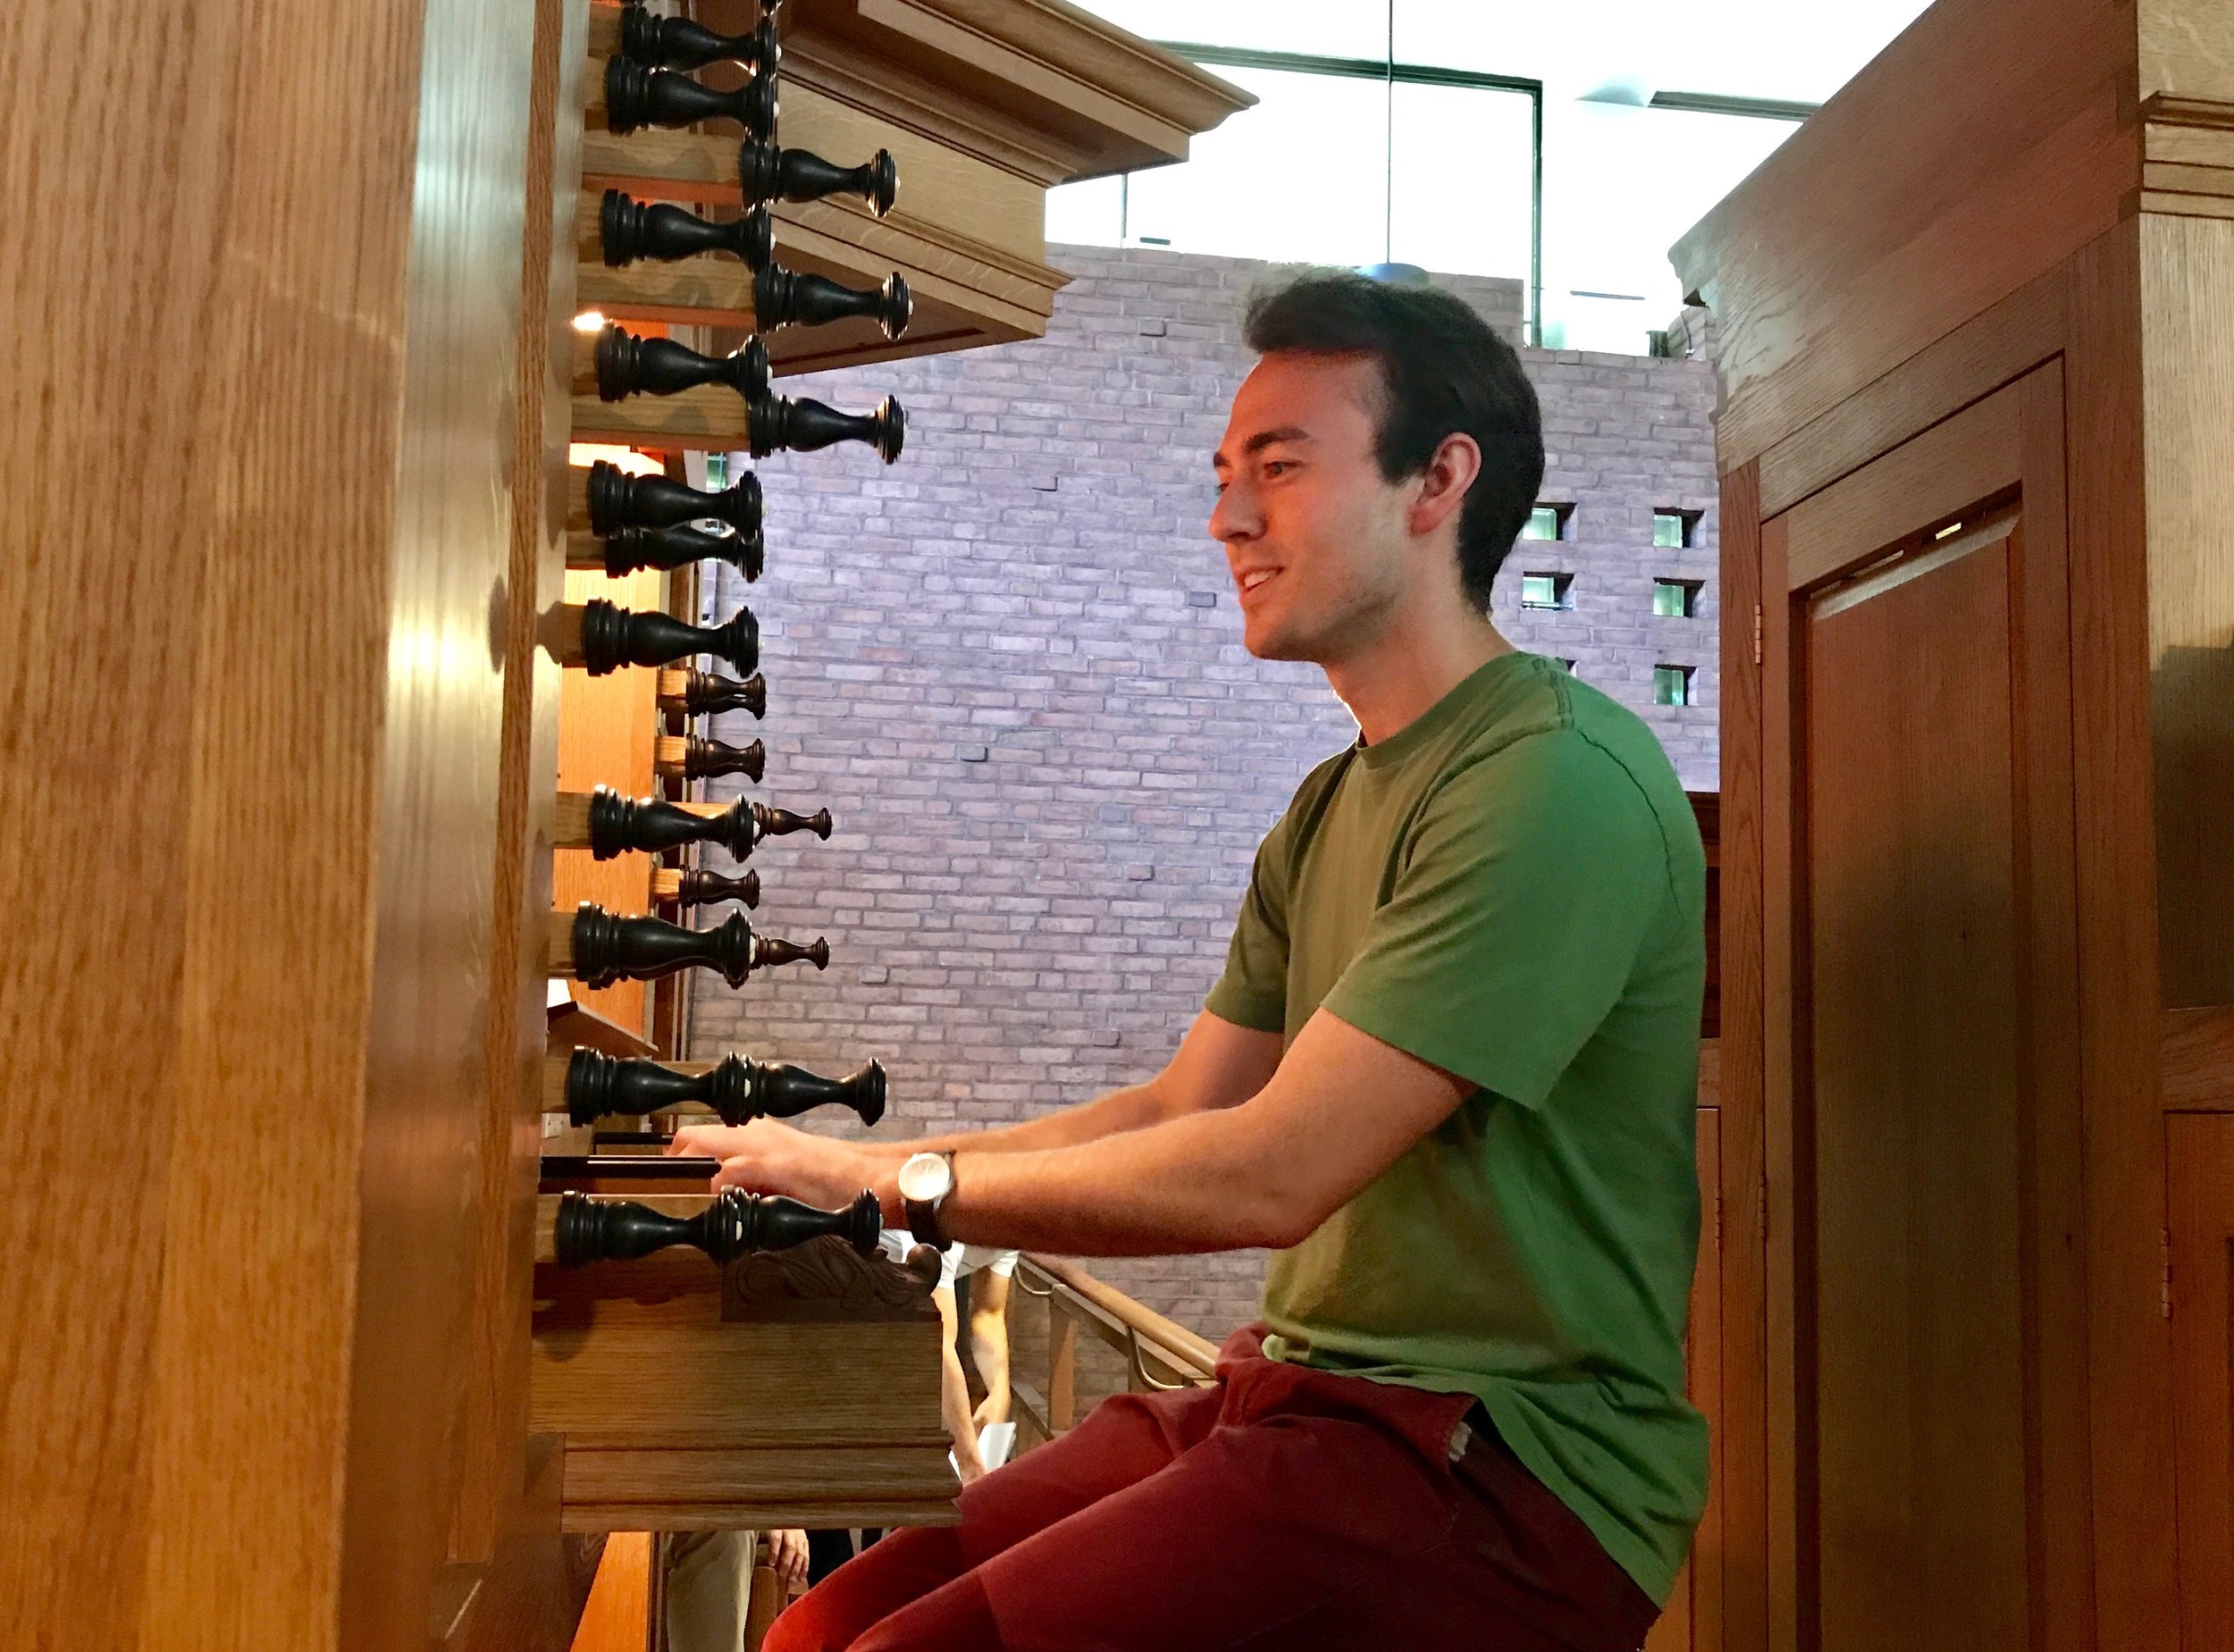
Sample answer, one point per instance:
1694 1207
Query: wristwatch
925 1181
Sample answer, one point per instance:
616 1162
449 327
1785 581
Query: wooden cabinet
2200 1297
1977 743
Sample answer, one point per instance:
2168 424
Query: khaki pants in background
709 1589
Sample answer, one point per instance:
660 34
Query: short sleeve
1531 881
1253 992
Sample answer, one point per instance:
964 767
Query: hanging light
1388 272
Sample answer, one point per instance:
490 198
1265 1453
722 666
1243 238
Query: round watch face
926 1176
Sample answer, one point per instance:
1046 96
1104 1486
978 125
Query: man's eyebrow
1262 439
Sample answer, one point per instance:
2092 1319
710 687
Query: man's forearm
1132 1107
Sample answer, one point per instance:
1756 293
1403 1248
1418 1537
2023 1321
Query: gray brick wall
1009 665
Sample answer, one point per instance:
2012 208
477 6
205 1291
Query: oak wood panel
2014 336
2186 50
1939 473
2200 1154
1741 1484
1919 1490
818 1514
427 1039
2188 418
2195 1073
616 1616
2130 1393
492 1436
615 1343
888 1471
530 1597
205 1435
1975 153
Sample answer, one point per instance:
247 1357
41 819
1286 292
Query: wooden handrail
1152 1326
1159 1352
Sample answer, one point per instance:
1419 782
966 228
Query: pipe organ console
389 1413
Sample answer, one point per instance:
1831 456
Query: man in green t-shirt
1447 1075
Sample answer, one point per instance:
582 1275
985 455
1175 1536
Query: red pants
1283 1508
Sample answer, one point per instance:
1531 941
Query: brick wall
1009 665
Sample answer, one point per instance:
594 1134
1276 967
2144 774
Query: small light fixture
1949 532
589 321
1394 275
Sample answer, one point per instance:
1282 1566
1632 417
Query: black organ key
678 43
735 1224
618 500
613 637
636 97
736 1088
604 948
628 549
768 173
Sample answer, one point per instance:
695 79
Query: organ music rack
285 1383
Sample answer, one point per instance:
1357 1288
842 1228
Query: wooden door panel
1919 1334
2200 1154
1926 1435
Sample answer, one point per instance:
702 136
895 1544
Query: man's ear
1450 472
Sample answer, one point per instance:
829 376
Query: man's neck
1410 667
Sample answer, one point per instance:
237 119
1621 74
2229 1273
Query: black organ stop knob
779 422
627 549
703 692
737 1088
627 365
628 228
613 637
678 43
701 759
694 886
784 297
768 173
620 826
619 501
605 948
735 1224
636 97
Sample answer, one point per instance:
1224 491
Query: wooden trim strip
1947 469
2195 1062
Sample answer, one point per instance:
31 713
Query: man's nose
1234 516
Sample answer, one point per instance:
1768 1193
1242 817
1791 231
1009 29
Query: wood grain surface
225 1420
492 1435
1984 145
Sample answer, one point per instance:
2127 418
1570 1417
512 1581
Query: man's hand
787 1555
767 1157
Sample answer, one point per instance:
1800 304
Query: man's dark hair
1443 371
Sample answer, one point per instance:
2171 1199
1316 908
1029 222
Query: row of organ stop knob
634 522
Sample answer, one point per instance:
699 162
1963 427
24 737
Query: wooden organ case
296 690
1976 329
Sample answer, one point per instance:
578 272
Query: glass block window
1547 521
1671 685
1672 530
1676 598
1547 591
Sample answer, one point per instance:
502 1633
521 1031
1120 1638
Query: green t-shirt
1511 888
